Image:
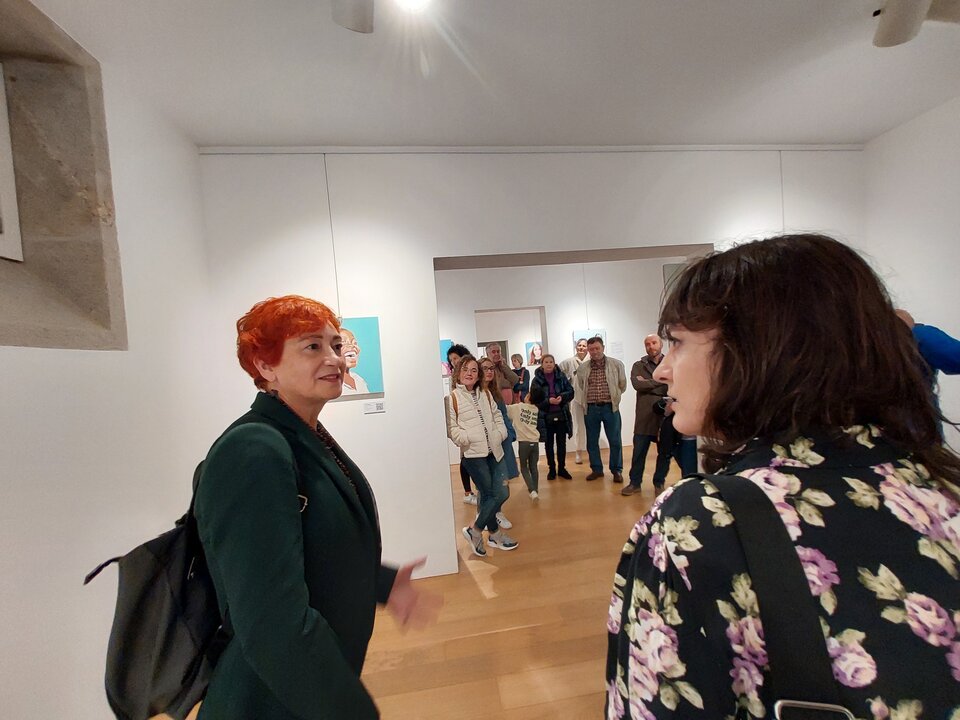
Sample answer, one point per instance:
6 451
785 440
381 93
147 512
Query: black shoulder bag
801 674
167 633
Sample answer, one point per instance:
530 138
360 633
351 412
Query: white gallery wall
913 225
99 448
515 327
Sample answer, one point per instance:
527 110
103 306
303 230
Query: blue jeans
610 419
488 475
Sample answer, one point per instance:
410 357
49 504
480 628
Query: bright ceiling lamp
413 6
357 15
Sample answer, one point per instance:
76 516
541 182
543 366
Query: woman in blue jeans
509 469
476 426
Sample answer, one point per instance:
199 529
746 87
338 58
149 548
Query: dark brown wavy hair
808 340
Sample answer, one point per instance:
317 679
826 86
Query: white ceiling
520 72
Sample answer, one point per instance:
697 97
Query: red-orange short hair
262 332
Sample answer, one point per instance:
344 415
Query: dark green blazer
299 589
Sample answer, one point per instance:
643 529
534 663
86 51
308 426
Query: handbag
555 419
801 674
167 633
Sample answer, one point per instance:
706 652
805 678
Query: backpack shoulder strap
800 667
453 401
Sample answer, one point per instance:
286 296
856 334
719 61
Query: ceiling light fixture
900 20
413 6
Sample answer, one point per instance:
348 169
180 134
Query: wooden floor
522 633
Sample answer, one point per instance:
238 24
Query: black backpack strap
99 568
801 674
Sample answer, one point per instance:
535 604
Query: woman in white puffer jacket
475 424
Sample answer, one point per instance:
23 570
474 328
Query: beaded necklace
327 439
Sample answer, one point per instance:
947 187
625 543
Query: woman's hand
409 606
556 400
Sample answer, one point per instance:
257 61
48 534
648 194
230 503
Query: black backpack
167 632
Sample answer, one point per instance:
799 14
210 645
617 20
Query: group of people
804 385
576 397
489 407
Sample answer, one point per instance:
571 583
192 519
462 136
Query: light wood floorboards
522 633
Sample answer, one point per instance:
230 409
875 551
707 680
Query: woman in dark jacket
558 392
290 532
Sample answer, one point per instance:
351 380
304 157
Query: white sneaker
470 499
534 494
503 522
501 540
579 459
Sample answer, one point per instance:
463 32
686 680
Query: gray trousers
529 455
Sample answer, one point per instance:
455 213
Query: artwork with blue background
445 346
361 350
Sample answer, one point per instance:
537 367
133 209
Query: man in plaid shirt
601 382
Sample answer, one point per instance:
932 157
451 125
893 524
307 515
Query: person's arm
385 579
941 351
566 392
621 376
499 426
457 433
513 413
636 375
248 516
509 376
643 382
507 423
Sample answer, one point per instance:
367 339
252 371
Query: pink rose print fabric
878 538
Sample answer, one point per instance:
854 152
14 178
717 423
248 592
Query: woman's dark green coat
299 589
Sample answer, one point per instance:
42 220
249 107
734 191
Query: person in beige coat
476 426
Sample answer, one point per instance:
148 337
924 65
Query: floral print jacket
879 540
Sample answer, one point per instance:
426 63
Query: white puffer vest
475 424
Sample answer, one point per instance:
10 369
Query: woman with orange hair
290 531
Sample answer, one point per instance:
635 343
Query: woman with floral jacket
806 384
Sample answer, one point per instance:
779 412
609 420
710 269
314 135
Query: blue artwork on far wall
361 350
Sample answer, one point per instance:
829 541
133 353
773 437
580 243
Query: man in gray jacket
601 383
646 424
